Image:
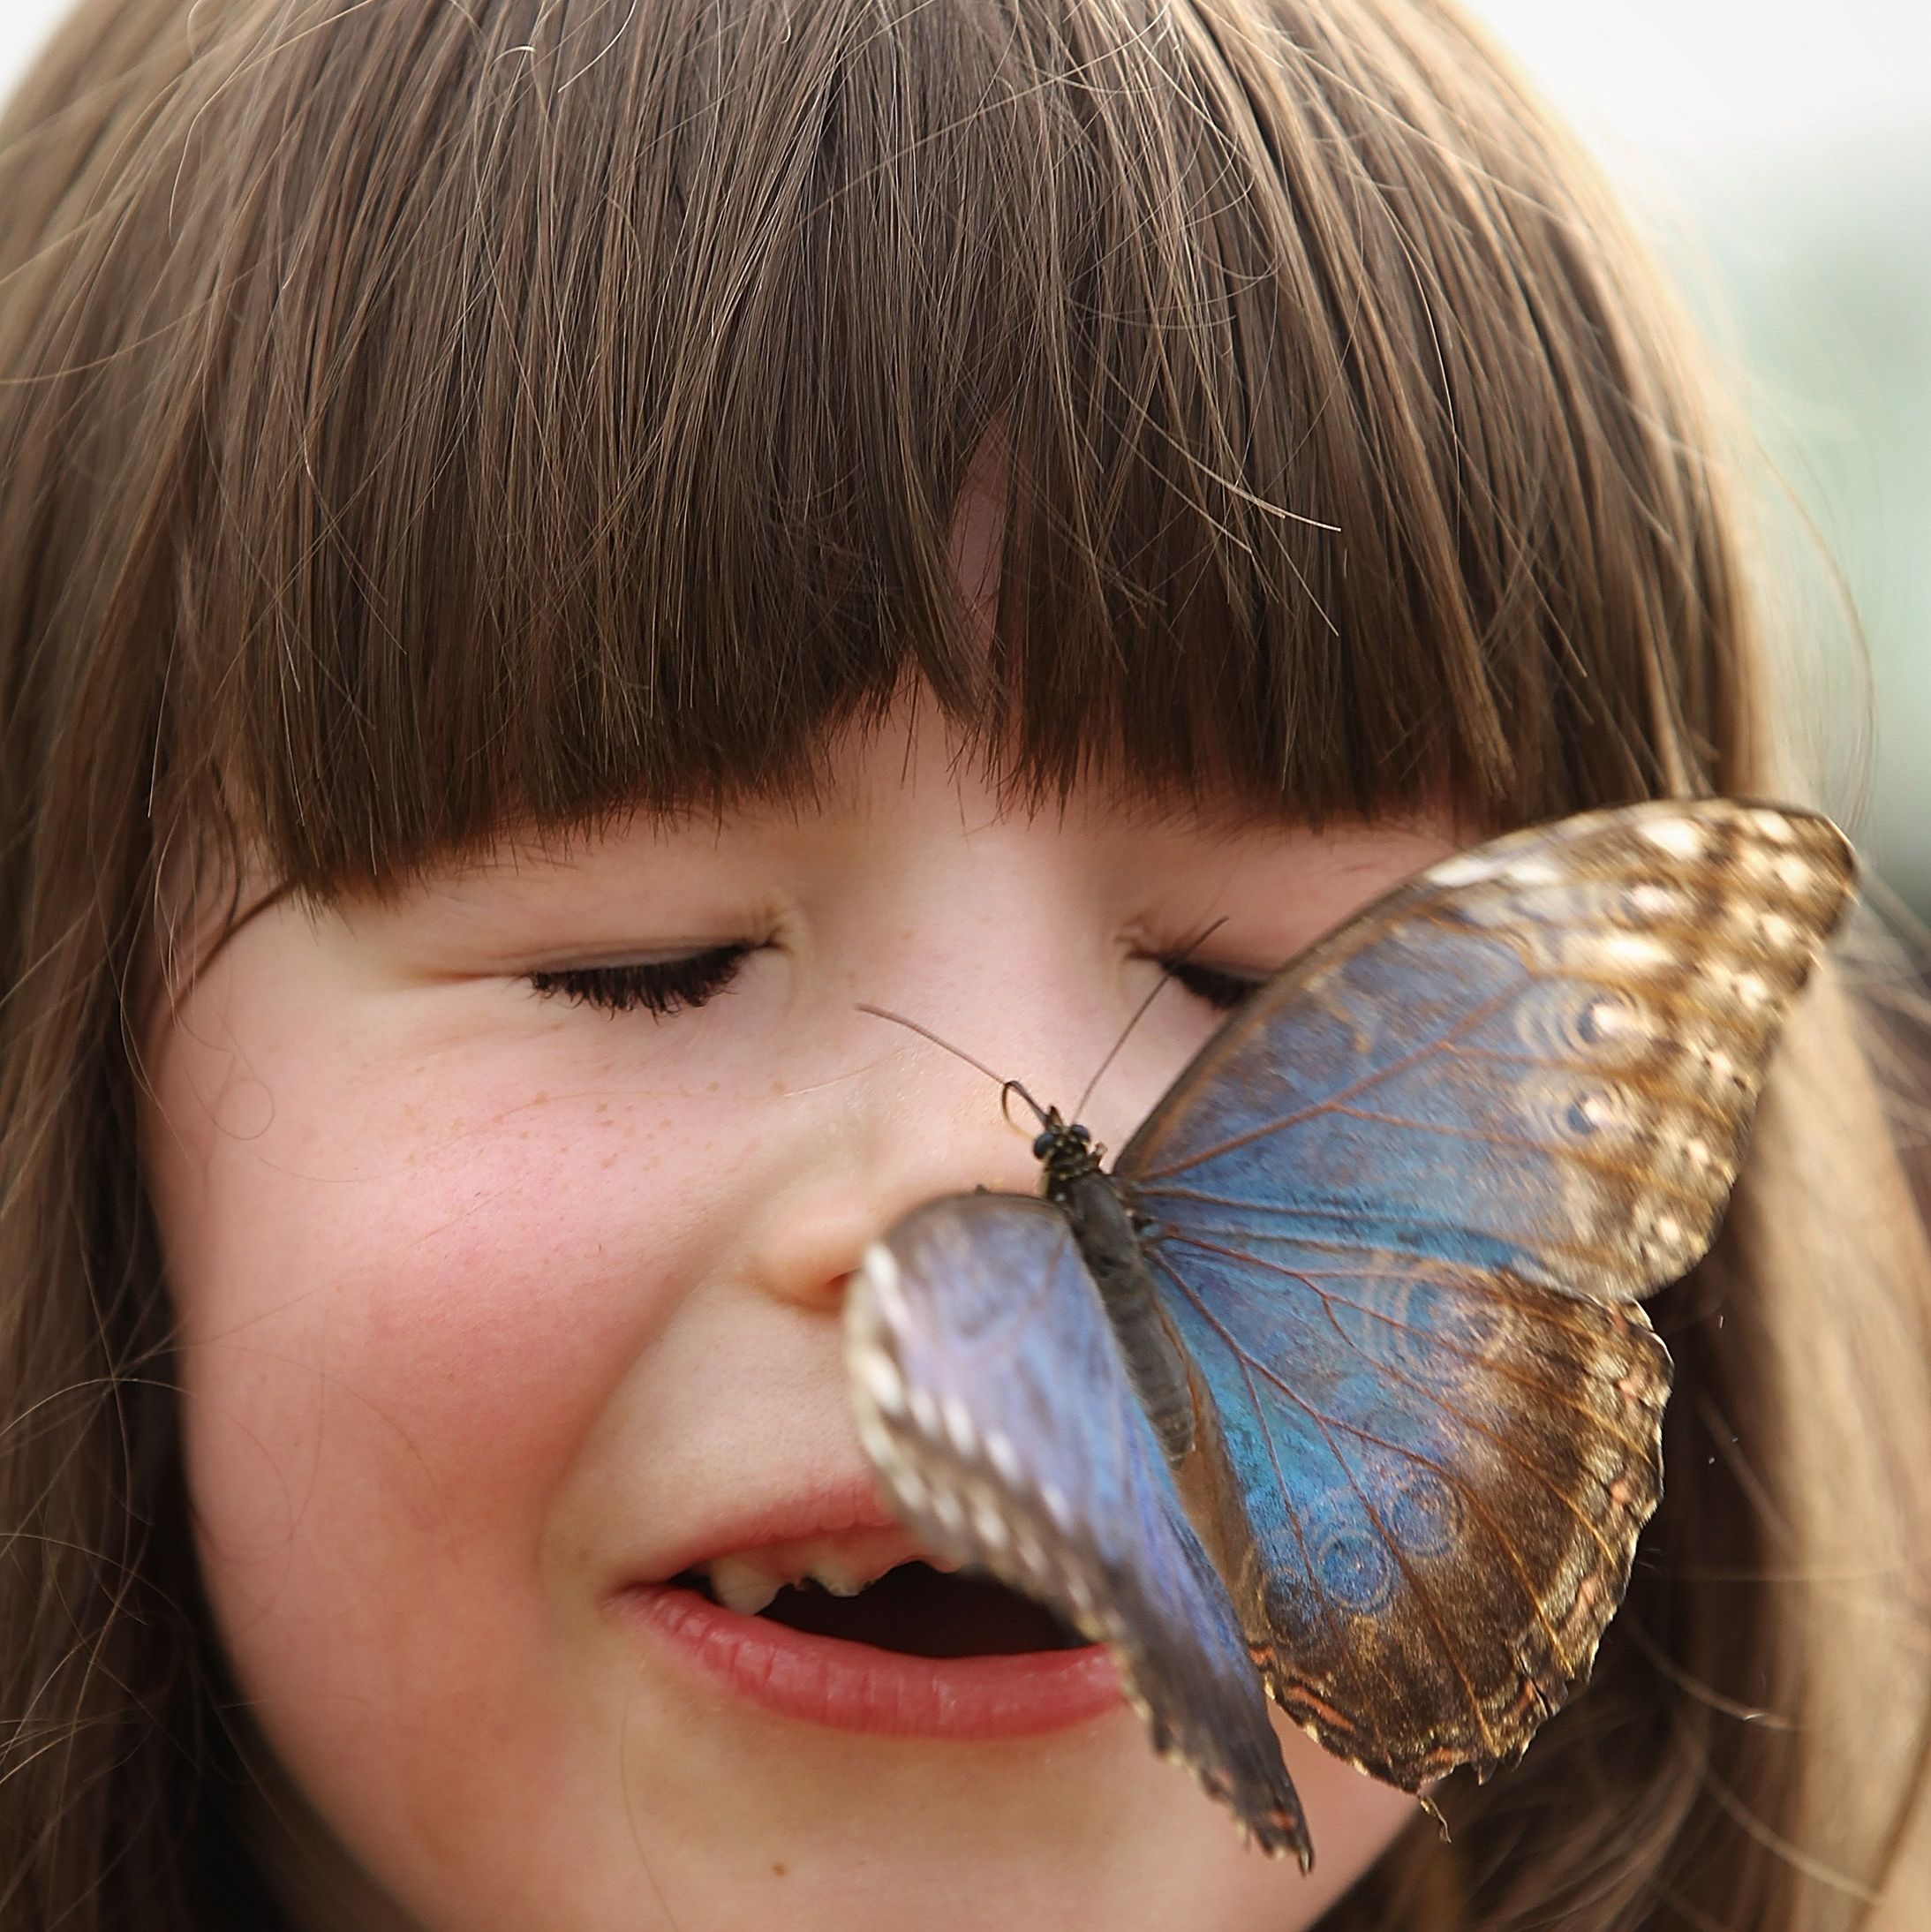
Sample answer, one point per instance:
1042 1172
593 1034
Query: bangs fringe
571 406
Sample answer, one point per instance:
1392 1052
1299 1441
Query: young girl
550 551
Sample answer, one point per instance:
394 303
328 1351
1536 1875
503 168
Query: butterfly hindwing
1438 1479
996 1407
1400 1209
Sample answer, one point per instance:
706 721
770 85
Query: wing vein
1504 1371
1329 1610
1469 1422
1368 1081
1604 1258
1642 1171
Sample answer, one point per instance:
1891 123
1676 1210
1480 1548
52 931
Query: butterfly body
1073 1181
1336 1390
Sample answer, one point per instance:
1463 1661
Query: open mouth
912 1610
851 1630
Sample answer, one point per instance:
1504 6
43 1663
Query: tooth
739 1586
837 1578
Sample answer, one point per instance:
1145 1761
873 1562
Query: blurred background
1779 157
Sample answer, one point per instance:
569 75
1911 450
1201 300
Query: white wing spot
1533 871
1610 1019
1680 838
965 1437
1654 901
926 1412
1773 826
1466 869
1633 951
987 1522
882 1381
882 1271
1797 873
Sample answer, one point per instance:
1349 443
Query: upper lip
843 1505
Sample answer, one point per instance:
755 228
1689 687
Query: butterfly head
1065 1150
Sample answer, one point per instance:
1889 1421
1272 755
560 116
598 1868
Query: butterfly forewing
1399 1209
995 1404
1540 1055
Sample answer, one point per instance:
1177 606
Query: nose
900 1143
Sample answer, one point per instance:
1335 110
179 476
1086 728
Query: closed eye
1222 989
661 987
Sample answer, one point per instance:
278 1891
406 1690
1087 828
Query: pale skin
489 1300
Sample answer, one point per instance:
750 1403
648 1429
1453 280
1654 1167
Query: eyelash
1221 990
662 987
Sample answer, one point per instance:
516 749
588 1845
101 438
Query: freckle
541 1095
777 1089
779 1869
609 1160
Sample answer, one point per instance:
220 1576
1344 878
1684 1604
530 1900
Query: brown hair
414 418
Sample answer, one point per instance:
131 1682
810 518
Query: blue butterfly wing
995 1404
1399 1210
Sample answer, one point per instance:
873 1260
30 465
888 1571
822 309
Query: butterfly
1336 1389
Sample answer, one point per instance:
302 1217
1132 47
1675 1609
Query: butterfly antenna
926 1033
1007 1088
1139 1013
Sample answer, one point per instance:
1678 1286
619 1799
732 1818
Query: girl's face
499 1307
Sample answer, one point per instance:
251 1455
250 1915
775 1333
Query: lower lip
853 1686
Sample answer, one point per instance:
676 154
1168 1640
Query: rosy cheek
428 1313
400 1319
